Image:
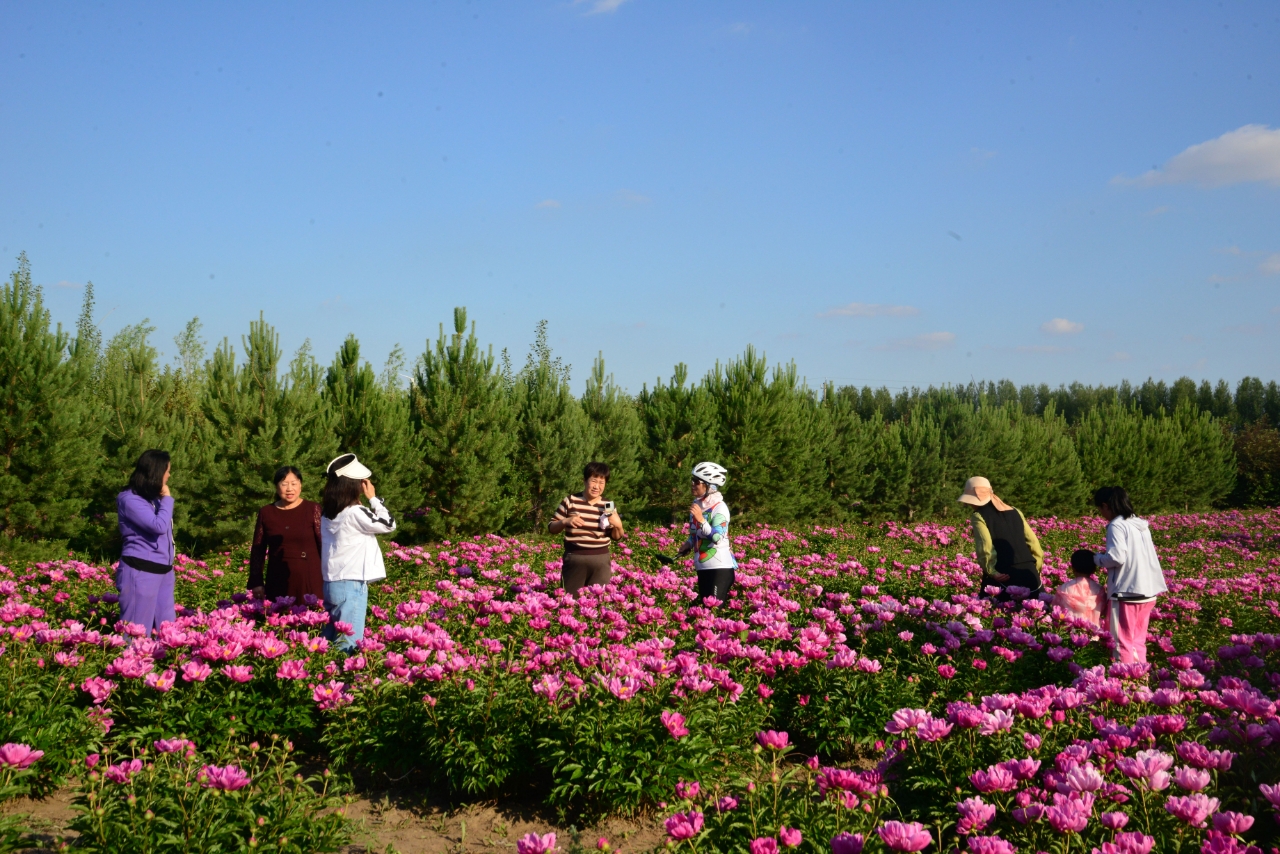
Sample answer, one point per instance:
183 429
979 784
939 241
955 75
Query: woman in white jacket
350 557
1134 576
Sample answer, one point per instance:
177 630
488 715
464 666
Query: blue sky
896 194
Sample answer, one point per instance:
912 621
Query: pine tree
49 423
370 418
854 467
915 468
465 425
555 437
466 432
680 431
615 419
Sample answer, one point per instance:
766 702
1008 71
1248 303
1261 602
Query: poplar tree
465 425
615 419
49 424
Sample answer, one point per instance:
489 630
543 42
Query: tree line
472 444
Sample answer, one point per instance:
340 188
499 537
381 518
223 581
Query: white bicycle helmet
710 473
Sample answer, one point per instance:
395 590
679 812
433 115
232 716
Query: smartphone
608 507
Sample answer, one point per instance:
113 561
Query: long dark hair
1116 498
148 474
339 494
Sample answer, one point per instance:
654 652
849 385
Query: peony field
854 694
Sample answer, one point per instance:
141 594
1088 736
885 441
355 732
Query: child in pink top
1082 596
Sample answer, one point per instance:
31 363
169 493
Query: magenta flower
1232 823
174 745
946 671
682 826
689 791
19 756
975 815
1068 815
847 843
728 803
674 722
292 669
532 843
933 730
904 836
160 681
228 779
764 845
1134 842
997 778
1082 778
1191 779
990 845
98 688
92 760
122 772
1271 793
1193 809
238 672
1113 820
196 671
790 837
773 740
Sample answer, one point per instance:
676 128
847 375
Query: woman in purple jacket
145 573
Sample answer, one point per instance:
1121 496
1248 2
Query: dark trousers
714 583
579 571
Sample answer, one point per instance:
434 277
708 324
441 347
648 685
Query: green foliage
465 425
49 423
1258 451
680 432
618 435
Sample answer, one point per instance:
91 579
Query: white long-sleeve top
349 548
1133 569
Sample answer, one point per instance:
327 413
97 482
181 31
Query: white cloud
1271 265
547 203
1061 326
1119 356
927 341
1247 154
627 197
1158 211
739 29
602 7
1044 349
871 309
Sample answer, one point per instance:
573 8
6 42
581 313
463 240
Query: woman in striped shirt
589 524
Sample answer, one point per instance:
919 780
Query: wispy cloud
1061 326
1244 329
1270 265
1159 211
68 285
1119 356
1246 155
602 7
628 197
871 309
547 204
1192 339
739 29
1046 348
927 341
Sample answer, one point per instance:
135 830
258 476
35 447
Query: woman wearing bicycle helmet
709 534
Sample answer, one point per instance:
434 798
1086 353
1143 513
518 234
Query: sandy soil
390 824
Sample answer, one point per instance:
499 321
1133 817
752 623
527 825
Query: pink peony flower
122 772
773 740
997 778
92 760
1193 809
292 669
1191 779
228 779
98 688
1113 820
674 722
196 671
904 836
238 672
728 803
990 845
174 745
1232 823
790 837
975 815
532 843
682 826
19 756
688 791
764 845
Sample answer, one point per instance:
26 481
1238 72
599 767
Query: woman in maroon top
287 538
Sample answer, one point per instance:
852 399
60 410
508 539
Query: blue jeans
346 601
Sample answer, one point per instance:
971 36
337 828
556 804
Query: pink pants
1129 621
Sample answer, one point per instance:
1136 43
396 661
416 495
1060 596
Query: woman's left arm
1033 542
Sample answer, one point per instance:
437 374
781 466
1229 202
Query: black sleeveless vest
1008 540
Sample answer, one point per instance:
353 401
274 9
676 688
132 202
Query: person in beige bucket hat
1007 548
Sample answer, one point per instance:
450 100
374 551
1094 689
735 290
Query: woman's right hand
366 486
164 489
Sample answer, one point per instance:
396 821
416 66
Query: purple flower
19 756
1113 820
773 740
532 843
1191 779
1232 823
1193 809
1082 778
990 845
228 779
1271 793
933 730
727 804
1134 842
904 836
846 843
764 845
997 778
122 772
688 791
174 745
683 825
975 815
790 837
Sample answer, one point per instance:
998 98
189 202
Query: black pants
714 582
579 571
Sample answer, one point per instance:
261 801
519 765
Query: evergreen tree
49 423
555 439
855 457
370 418
619 434
914 468
1204 472
466 432
680 431
1258 451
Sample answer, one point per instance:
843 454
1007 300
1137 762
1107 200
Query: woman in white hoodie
350 557
1134 576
